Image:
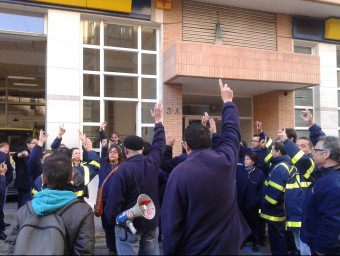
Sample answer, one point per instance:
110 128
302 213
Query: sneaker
3 236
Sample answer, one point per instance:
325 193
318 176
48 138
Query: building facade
80 63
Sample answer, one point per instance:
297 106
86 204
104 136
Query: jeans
138 244
301 246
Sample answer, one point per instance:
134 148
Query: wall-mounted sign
163 4
108 5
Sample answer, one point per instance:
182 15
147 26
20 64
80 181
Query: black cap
134 142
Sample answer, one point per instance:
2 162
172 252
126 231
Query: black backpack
43 235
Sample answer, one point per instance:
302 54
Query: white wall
64 69
325 95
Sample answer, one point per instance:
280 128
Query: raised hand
281 135
157 113
102 126
226 93
212 126
307 117
258 125
3 168
205 118
42 138
61 130
170 139
82 137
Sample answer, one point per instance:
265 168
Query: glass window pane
146 114
91 85
120 36
121 117
338 78
149 62
338 118
304 97
92 133
149 39
120 86
298 120
338 58
117 61
302 133
149 88
91 32
303 49
338 98
33 23
91 111
147 134
91 59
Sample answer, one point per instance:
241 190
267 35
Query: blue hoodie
49 200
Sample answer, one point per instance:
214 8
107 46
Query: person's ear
43 178
327 154
187 148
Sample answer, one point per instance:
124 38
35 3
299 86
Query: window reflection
91 111
91 85
119 61
120 36
120 86
91 32
149 86
149 64
33 23
91 59
149 39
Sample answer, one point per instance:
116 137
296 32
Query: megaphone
143 208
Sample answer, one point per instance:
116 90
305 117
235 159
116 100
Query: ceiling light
22 77
25 84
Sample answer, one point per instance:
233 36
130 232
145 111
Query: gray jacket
79 223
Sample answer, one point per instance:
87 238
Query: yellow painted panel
332 29
163 4
78 3
111 5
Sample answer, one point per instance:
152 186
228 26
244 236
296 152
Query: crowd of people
212 199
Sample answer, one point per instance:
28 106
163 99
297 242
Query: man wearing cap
137 175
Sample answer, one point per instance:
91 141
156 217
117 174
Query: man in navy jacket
138 174
200 213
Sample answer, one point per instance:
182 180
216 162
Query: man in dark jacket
78 218
200 213
138 174
321 211
3 185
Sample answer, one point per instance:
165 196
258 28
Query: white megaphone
143 208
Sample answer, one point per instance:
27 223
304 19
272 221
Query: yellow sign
163 4
108 5
332 29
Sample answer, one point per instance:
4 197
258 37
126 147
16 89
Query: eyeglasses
247 159
255 141
318 149
183 143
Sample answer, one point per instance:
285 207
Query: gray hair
332 144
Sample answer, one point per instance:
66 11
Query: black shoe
3 236
255 248
7 224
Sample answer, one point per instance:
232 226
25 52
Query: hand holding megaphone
143 208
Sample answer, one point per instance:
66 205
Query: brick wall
284 33
275 110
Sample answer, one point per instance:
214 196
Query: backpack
43 235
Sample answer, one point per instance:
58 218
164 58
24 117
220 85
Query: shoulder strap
64 208
108 176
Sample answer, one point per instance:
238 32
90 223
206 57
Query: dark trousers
262 223
109 232
252 218
24 195
2 215
277 237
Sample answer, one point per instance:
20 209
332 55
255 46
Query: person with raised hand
200 213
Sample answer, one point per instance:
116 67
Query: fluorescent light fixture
23 77
25 84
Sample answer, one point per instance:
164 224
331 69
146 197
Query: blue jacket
199 212
321 212
300 178
22 176
315 133
272 202
9 174
249 188
124 191
105 168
